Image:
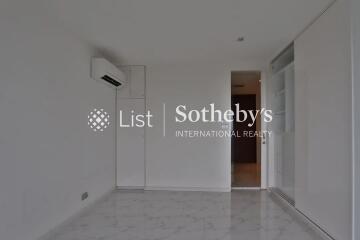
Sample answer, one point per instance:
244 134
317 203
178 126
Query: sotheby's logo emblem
98 120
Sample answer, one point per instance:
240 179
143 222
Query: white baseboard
303 217
50 234
190 189
130 187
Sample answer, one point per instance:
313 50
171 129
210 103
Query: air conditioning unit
103 70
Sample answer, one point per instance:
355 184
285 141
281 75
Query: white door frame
264 142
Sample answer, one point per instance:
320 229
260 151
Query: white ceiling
174 31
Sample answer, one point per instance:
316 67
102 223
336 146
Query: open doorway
246 149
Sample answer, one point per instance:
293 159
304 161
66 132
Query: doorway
246 147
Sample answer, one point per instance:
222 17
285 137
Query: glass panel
282 104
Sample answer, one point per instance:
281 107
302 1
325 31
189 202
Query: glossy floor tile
246 175
166 215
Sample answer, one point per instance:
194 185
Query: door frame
264 145
265 141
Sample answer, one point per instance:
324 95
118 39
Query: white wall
323 122
49 156
130 165
356 116
183 163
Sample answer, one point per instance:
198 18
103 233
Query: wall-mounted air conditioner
103 70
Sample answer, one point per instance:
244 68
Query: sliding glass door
282 127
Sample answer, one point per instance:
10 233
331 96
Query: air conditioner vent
111 80
104 71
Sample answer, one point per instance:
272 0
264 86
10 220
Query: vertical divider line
355 86
116 136
145 128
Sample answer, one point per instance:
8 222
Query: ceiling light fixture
240 39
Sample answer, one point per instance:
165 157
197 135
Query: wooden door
243 149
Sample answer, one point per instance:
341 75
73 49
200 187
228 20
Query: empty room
180 120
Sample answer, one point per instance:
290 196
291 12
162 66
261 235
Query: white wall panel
188 163
49 156
323 122
356 116
137 81
130 145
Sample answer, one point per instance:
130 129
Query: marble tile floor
167 215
